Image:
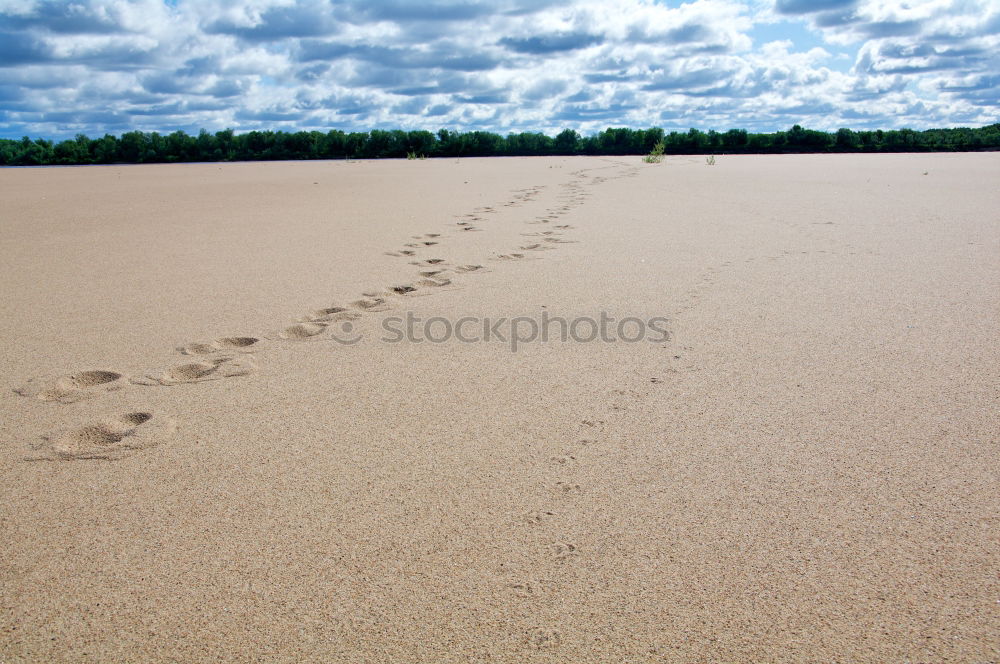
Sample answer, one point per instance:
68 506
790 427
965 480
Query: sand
194 469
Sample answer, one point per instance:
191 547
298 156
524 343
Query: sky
110 66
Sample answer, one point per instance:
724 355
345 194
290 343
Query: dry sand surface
194 469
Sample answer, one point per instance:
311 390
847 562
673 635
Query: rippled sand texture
207 453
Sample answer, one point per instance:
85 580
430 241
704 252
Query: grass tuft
656 156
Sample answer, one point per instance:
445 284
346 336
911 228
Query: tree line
142 147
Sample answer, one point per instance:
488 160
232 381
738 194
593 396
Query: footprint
568 487
227 343
538 516
430 262
370 304
563 551
523 589
402 290
336 318
322 315
544 638
72 387
198 348
434 283
107 439
302 331
240 344
509 257
198 372
468 268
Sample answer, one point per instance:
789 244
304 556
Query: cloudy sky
96 66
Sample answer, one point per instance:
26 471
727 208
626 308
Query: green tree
567 142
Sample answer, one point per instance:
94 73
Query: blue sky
96 66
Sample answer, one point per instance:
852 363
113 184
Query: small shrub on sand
656 156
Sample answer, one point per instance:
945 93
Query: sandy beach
210 452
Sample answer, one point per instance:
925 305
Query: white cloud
114 65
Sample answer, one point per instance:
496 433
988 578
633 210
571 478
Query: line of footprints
124 434
120 435
556 551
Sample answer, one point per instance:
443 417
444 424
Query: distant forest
140 147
